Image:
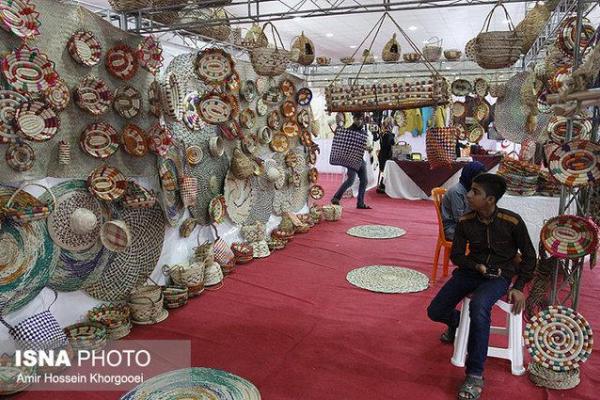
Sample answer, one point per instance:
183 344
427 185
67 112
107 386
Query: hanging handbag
39 332
347 148
440 144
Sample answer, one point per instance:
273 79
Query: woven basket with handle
270 61
497 49
433 50
306 48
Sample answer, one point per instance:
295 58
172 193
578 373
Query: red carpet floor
297 329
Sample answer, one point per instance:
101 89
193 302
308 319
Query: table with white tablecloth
399 185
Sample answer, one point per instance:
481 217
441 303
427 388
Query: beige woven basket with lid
391 50
306 48
497 49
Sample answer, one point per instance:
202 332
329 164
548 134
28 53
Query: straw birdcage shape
306 48
391 50
270 61
433 50
497 49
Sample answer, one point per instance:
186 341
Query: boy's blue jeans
484 293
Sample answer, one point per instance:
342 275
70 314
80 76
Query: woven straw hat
213 274
83 221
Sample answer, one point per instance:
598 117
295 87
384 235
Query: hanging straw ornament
391 50
306 48
64 153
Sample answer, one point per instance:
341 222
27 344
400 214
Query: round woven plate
557 128
121 62
154 101
58 96
280 143
458 109
482 111
99 140
107 183
316 192
172 96
195 383
214 66
303 119
480 87
274 120
159 139
576 163
238 198
20 157
36 121
28 70
265 135
10 102
273 96
20 18
80 255
150 54
127 102
475 133
290 129
287 88
569 236
288 109
559 338
93 95
133 139
215 108
461 87
248 119
194 155
28 256
191 115
388 279
304 97
84 48
261 107
248 91
376 231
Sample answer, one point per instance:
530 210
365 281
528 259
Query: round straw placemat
569 236
262 200
195 383
131 267
576 163
28 256
80 255
376 231
238 198
559 338
388 279
171 167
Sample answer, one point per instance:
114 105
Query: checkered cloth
441 146
348 148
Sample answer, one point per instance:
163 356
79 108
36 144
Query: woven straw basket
175 296
332 212
497 49
144 310
391 50
531 26
255 37
433 52
306 48
219 32
497 90
268 61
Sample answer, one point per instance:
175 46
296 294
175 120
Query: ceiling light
412 28
425 41
353 47
329 34
297 18
448 68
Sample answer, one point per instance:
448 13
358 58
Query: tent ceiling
336 36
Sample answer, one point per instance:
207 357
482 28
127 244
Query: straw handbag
391 50
255 37
268 61
190 276
433 52
441 146
497 49
306 48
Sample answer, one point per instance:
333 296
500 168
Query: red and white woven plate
154 99
28 70
127 102
557 128
58 96
121 62
191 114
248 118
288 109
10 102
287 88
150 54
159 139
20 18
214 66
93 95
303 118
107 183
172 97
99 140
36 121
274 120
215 108
84 48
20 157
133 140
576 163
290 129
569 236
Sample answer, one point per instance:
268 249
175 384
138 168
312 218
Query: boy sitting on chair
494 235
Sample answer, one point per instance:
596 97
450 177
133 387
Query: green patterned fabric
388 279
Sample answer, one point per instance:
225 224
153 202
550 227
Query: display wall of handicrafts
91 73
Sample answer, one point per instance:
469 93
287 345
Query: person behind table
454 202
494 235
358 127
385 152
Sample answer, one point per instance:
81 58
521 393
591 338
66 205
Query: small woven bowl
87 336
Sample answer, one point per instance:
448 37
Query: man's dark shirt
495 245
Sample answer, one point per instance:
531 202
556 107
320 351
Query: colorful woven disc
576 163
569 236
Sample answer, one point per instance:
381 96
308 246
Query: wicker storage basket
191 276
145 311
433 52
115 317
497 49
255 37
175 296
219 32
87 336
129 5
452 54
332 212
391 50
269 61
306 48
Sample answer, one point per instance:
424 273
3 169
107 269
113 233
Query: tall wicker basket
306 48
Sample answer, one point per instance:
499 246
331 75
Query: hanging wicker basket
255 37
432 52
306 48
391 50
268 61
191 15
532 25
497 49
